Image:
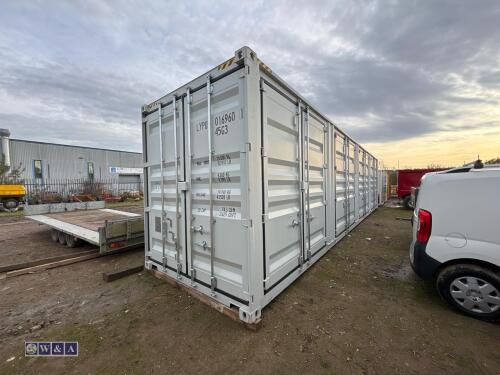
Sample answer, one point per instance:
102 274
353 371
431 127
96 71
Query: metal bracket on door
211 152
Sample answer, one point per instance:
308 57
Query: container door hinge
308 254
263 152
184 186
301 261
265 217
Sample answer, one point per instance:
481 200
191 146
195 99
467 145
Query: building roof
89 148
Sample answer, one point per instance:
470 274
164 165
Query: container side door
374 183
362 182
282 199
166 203
228 259
315 141
351 189
371 187
340 184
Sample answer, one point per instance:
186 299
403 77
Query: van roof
486 167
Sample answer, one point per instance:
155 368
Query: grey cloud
400 68
73 131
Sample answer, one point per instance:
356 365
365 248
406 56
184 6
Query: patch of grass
17 213
125 203
324 363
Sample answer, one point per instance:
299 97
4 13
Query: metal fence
78 190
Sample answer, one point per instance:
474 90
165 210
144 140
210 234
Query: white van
456 237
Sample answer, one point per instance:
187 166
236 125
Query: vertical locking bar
308 190
300 144
176 159
162 194
188 179
211 151
346 161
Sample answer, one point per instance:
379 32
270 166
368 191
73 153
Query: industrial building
42 161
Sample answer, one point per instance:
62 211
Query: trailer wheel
62 238
54 234
72 241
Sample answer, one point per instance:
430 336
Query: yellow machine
11 195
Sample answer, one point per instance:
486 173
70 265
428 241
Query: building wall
65 161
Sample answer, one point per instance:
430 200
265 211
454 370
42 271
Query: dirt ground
359 310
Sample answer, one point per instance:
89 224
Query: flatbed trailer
110 230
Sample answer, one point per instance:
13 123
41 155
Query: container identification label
221 121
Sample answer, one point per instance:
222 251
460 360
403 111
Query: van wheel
474 290
406 202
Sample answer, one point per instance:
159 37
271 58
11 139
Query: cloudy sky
417 82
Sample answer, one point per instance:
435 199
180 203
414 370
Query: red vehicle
408 178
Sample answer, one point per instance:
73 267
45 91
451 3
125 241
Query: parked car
456 238
408 179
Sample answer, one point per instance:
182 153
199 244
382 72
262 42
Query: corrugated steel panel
66 162
257 188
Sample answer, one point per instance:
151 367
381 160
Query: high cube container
246 185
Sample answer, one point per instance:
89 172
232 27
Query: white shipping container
247 185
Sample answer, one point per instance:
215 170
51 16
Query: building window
90 170
37 169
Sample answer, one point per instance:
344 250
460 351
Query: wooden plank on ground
18 266
47 266
112 276
231 313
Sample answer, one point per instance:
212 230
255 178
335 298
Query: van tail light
424 225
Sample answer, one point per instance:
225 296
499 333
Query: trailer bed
109 229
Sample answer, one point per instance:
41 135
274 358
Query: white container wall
382 187
247 184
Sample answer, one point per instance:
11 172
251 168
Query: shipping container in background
383 186
247 185
408 179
